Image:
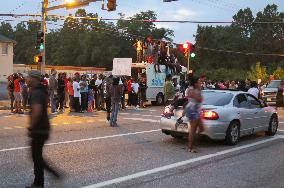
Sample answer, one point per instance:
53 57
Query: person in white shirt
77 95
254 90
135 89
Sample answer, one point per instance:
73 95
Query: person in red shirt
129 90
17 94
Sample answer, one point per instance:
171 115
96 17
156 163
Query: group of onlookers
81 93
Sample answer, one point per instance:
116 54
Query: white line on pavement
145 120
280 130
83 140
178 164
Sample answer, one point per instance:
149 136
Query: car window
241 101
216 98
274 84
254 103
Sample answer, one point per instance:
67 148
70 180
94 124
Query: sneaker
54 112
108 121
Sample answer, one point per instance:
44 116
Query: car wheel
160 100
273 126
177 136
233 133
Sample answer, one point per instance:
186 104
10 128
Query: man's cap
34 74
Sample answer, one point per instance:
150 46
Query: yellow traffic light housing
38 58
111 5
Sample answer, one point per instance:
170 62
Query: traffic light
186 48
40 41
192 51
38 58
111 5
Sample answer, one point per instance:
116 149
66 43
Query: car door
260 115
245 113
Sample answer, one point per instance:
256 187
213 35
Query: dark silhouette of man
39 128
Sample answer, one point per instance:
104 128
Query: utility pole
43 28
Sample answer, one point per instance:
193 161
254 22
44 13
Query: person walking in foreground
116 94
192 111
39 129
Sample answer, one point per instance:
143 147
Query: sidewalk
4 104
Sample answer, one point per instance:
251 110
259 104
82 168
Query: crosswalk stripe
7 128
142 119
19 127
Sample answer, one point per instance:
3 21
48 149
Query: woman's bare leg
191 136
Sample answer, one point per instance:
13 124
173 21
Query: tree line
85 42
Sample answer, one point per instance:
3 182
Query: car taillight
210 115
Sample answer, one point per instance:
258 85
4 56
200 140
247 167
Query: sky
197 10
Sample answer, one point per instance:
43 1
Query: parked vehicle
227 115
155 81
270 92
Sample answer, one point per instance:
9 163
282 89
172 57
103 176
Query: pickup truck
270 92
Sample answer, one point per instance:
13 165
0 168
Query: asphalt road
137 154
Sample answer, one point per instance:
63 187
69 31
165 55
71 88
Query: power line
241 53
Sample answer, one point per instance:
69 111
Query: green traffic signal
192 55
41 47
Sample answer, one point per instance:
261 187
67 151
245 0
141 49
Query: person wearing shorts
17 94
192 112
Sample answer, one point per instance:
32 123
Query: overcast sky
199 10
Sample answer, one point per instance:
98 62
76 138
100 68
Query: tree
278 74
258 72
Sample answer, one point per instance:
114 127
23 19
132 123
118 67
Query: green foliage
82 42
278 74
258 72
222 74
243 36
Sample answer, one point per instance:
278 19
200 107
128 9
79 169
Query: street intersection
137 154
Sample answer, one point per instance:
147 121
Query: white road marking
280 130
281 122
7 128
178 164
83 140
153 110
144 120
124 113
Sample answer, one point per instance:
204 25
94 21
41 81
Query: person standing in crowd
77 95
135 90
53 85
70 92
91 98
92 86
116 94
169 89
279 96
39 129
10 89
84 93
17 94
123 85
242 86
254 90
192 111
142 90
61 91
99 98
106 84
24 92
129 91
66 97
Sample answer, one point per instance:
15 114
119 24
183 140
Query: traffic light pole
43 28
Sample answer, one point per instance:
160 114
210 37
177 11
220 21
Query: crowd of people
81 93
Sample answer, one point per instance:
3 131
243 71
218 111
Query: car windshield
216 98
274 84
